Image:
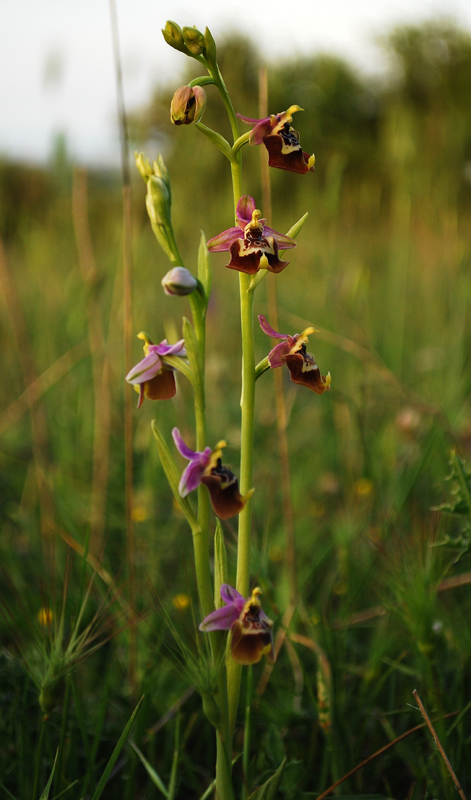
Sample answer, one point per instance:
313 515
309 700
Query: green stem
219 82
199 320
236 182
37 768
203 80
246 753
224 788
247 403
228 688
203 573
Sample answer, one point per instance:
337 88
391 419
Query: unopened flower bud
143 165
158 201
172 34
179 281
210 46
188 104
161 171
194 41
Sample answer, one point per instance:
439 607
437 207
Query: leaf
45 794
205 274
173 477
296 228
216 139
270 787
153 775
64 791
181 365
220 563
114 756
292 233
172 788
8 793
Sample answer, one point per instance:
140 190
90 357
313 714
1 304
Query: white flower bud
179 281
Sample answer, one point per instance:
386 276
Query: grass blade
114 756
45 794
152 773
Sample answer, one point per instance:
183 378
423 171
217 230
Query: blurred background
381 269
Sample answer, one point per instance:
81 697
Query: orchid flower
281 141
251 630
152 377
252 244
292 352
206 467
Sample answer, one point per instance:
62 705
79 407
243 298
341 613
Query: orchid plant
255 249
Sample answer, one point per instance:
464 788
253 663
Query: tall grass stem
128 338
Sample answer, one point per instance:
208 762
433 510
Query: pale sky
56 64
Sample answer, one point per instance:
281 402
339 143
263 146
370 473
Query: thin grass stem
127 331
37 764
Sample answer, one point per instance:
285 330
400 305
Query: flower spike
292 352
251 630
152 377
281 141
252 244
206 468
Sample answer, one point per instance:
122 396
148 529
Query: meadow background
382 270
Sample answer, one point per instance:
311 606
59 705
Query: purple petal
220 620
192 475
251 121
276 357
245 208
285 242
183 448
231 595
145 370
262 127
266 328
223 241
165 349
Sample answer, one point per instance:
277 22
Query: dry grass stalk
100 363
42 384
128 339
439 745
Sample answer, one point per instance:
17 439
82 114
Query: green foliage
270 788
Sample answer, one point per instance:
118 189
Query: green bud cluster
158 203
191 41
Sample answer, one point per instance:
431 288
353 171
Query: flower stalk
254 249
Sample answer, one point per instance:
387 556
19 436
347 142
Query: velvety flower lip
251 630
152 377
281 141
292 352
206 468
252 244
